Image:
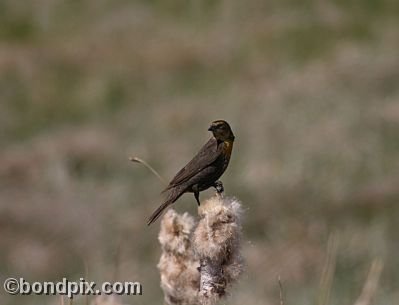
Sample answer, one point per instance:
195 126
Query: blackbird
203 171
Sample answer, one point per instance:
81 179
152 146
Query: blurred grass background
309 87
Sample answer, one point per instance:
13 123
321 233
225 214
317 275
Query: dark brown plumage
204 170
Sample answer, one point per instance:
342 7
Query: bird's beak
211 128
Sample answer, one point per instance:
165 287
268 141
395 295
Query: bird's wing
208 154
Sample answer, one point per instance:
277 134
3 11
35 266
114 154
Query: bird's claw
219 187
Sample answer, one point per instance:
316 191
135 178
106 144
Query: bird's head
221 130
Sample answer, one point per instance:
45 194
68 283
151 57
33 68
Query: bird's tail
158 212
172 197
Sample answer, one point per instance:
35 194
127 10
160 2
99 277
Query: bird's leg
218 185
196 193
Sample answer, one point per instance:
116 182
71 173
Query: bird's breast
227 148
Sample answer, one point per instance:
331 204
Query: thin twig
329 270
141 161
371 284
280 285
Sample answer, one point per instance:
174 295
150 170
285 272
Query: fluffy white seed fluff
201 261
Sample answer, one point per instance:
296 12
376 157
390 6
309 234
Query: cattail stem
212 279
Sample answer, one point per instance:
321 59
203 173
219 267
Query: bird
203 171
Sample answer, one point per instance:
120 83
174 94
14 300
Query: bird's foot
218 185
196 195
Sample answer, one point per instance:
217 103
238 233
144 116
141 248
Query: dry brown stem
370 287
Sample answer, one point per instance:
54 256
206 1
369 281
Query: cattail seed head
201 261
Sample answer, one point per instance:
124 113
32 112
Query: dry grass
371 284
